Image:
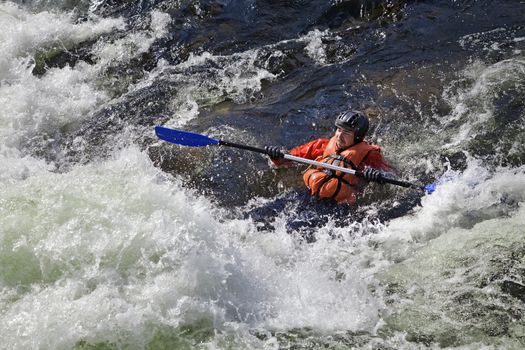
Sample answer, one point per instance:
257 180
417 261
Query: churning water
110 239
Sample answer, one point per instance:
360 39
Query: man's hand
373 175
274 152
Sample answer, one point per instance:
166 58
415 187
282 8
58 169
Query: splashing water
118 252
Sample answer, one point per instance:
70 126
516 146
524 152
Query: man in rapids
346 148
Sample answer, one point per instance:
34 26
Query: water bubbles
112 252
315 48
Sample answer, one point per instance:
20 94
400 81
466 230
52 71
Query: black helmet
355 121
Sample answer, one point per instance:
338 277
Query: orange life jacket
329 184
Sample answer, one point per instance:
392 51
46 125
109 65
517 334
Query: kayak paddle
191 139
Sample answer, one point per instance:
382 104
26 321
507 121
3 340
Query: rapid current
112 239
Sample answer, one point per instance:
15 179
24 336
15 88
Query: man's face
343 138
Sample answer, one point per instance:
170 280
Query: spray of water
115 253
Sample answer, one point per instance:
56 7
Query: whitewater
104 246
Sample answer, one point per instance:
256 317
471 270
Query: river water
111 239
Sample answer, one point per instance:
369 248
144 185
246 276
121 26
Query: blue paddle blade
184 138
430 188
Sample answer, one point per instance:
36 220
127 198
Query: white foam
62 97
23 33
461 201
14 166
45 104
133 44
237 77
33 104
122 236
208 79
473 107
315 48
449 279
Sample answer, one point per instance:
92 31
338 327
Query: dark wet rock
59 57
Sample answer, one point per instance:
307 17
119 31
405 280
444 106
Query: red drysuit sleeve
310 150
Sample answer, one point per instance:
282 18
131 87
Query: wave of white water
115 247
115 251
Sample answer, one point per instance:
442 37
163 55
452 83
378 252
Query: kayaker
346 148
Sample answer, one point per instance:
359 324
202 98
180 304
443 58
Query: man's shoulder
317 142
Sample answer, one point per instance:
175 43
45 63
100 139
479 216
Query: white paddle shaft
324 165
